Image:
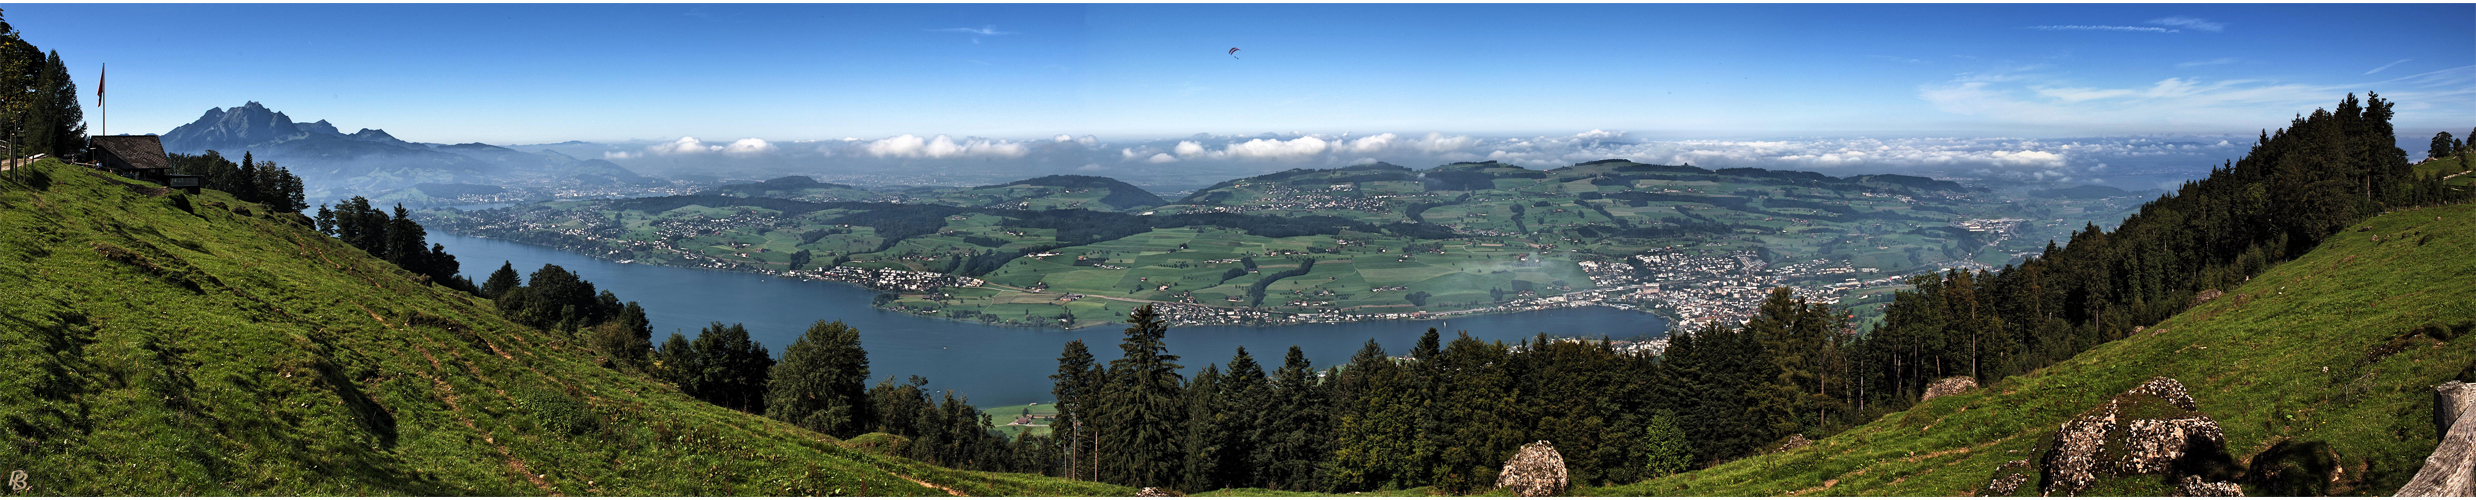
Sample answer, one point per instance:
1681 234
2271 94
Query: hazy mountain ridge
371 161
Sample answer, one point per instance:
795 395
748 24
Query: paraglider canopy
1233 52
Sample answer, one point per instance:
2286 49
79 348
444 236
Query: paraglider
1233 52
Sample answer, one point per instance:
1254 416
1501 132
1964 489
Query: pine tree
247 187
1077 387
1249 393
1374 443
1141 408
1295 439
1207 429
68 130
821 382
500 282
1669 450
326 223
1474 425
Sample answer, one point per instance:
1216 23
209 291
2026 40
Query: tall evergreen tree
1077 386
1375 443
1295 440
1474 425
501 281
1141 409
1250 398
1207 429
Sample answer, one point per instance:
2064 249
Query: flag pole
100 76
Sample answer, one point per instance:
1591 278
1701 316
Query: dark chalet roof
139 152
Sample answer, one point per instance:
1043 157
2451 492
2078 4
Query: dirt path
949 491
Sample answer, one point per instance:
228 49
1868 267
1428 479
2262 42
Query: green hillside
2320 351
169 344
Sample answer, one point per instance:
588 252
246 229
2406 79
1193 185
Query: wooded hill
169 344
2317 368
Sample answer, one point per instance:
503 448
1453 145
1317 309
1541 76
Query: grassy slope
2257 366
298 365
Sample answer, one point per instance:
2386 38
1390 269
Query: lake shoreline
1249 317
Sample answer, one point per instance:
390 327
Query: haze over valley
1238 249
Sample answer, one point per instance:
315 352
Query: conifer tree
1474 424
1142 408
1295 439
501 281
1249 393
1207 429
1374 443
1077 387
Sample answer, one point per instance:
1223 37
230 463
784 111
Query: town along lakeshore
993 365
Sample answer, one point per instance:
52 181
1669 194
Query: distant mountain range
371 161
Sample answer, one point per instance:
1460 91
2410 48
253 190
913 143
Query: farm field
1465 238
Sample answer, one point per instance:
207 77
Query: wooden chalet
139 157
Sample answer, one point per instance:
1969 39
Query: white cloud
2026 158
2086 27
1065 138
620 155
1094 167
683 146
2387 66
1370 144
2193 23
1162 158
1187 148
941 146
1300 149
1435 143
1599 134
748 147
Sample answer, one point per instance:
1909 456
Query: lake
992 365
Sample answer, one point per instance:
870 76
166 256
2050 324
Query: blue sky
541 73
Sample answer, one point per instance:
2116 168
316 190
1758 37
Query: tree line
397 240
819 383
1445 414
253 181
2295 188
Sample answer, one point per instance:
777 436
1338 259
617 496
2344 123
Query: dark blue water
993 365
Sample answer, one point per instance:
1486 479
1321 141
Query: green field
1487 228
2295 356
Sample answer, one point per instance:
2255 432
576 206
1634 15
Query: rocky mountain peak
232 128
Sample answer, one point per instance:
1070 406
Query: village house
139 157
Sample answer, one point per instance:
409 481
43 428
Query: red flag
107 70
